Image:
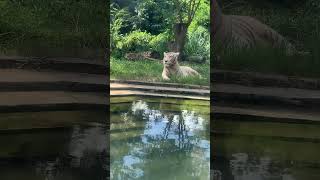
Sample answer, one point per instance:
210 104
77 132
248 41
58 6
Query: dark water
265 151
75 153
157 140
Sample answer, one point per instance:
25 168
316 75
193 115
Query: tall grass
273 61
73 23
198 43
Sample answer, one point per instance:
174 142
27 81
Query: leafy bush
151 15
202 17
135 41
198 43
138 41
119 20
159 42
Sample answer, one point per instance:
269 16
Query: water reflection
81 154
245 167
159 144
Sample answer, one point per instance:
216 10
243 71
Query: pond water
76 152
253 150
159 139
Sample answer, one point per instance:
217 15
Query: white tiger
172 67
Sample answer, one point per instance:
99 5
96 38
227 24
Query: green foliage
202 16
159 42
198 42
119 21
152 15
152 20
73 23
198 33
135 41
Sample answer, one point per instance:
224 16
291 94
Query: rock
133 56
150 55
197 59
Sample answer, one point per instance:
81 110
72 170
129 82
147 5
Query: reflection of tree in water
215 175
86 156
179 125
246 167
167 139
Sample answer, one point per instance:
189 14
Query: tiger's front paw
166 78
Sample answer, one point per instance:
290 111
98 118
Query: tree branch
193 7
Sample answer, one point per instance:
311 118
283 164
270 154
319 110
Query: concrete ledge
160 84
52 107
53 86
129 88
265 95
53 100
159 89
57 64
20 122
262 79
123 93
27 80
264 114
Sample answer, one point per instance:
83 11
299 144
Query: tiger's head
170 58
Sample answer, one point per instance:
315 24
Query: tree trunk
180 36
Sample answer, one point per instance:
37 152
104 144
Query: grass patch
151 71
273 61
52 24
297 21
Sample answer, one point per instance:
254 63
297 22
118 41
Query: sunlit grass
147 70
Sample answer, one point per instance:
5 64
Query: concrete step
31 80
160 84
265 114
92 66
258 127
23 121
160 89
123 93
231 93
51 100
262 79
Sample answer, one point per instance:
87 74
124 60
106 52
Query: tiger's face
170 58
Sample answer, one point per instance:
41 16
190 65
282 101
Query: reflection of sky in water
164 133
